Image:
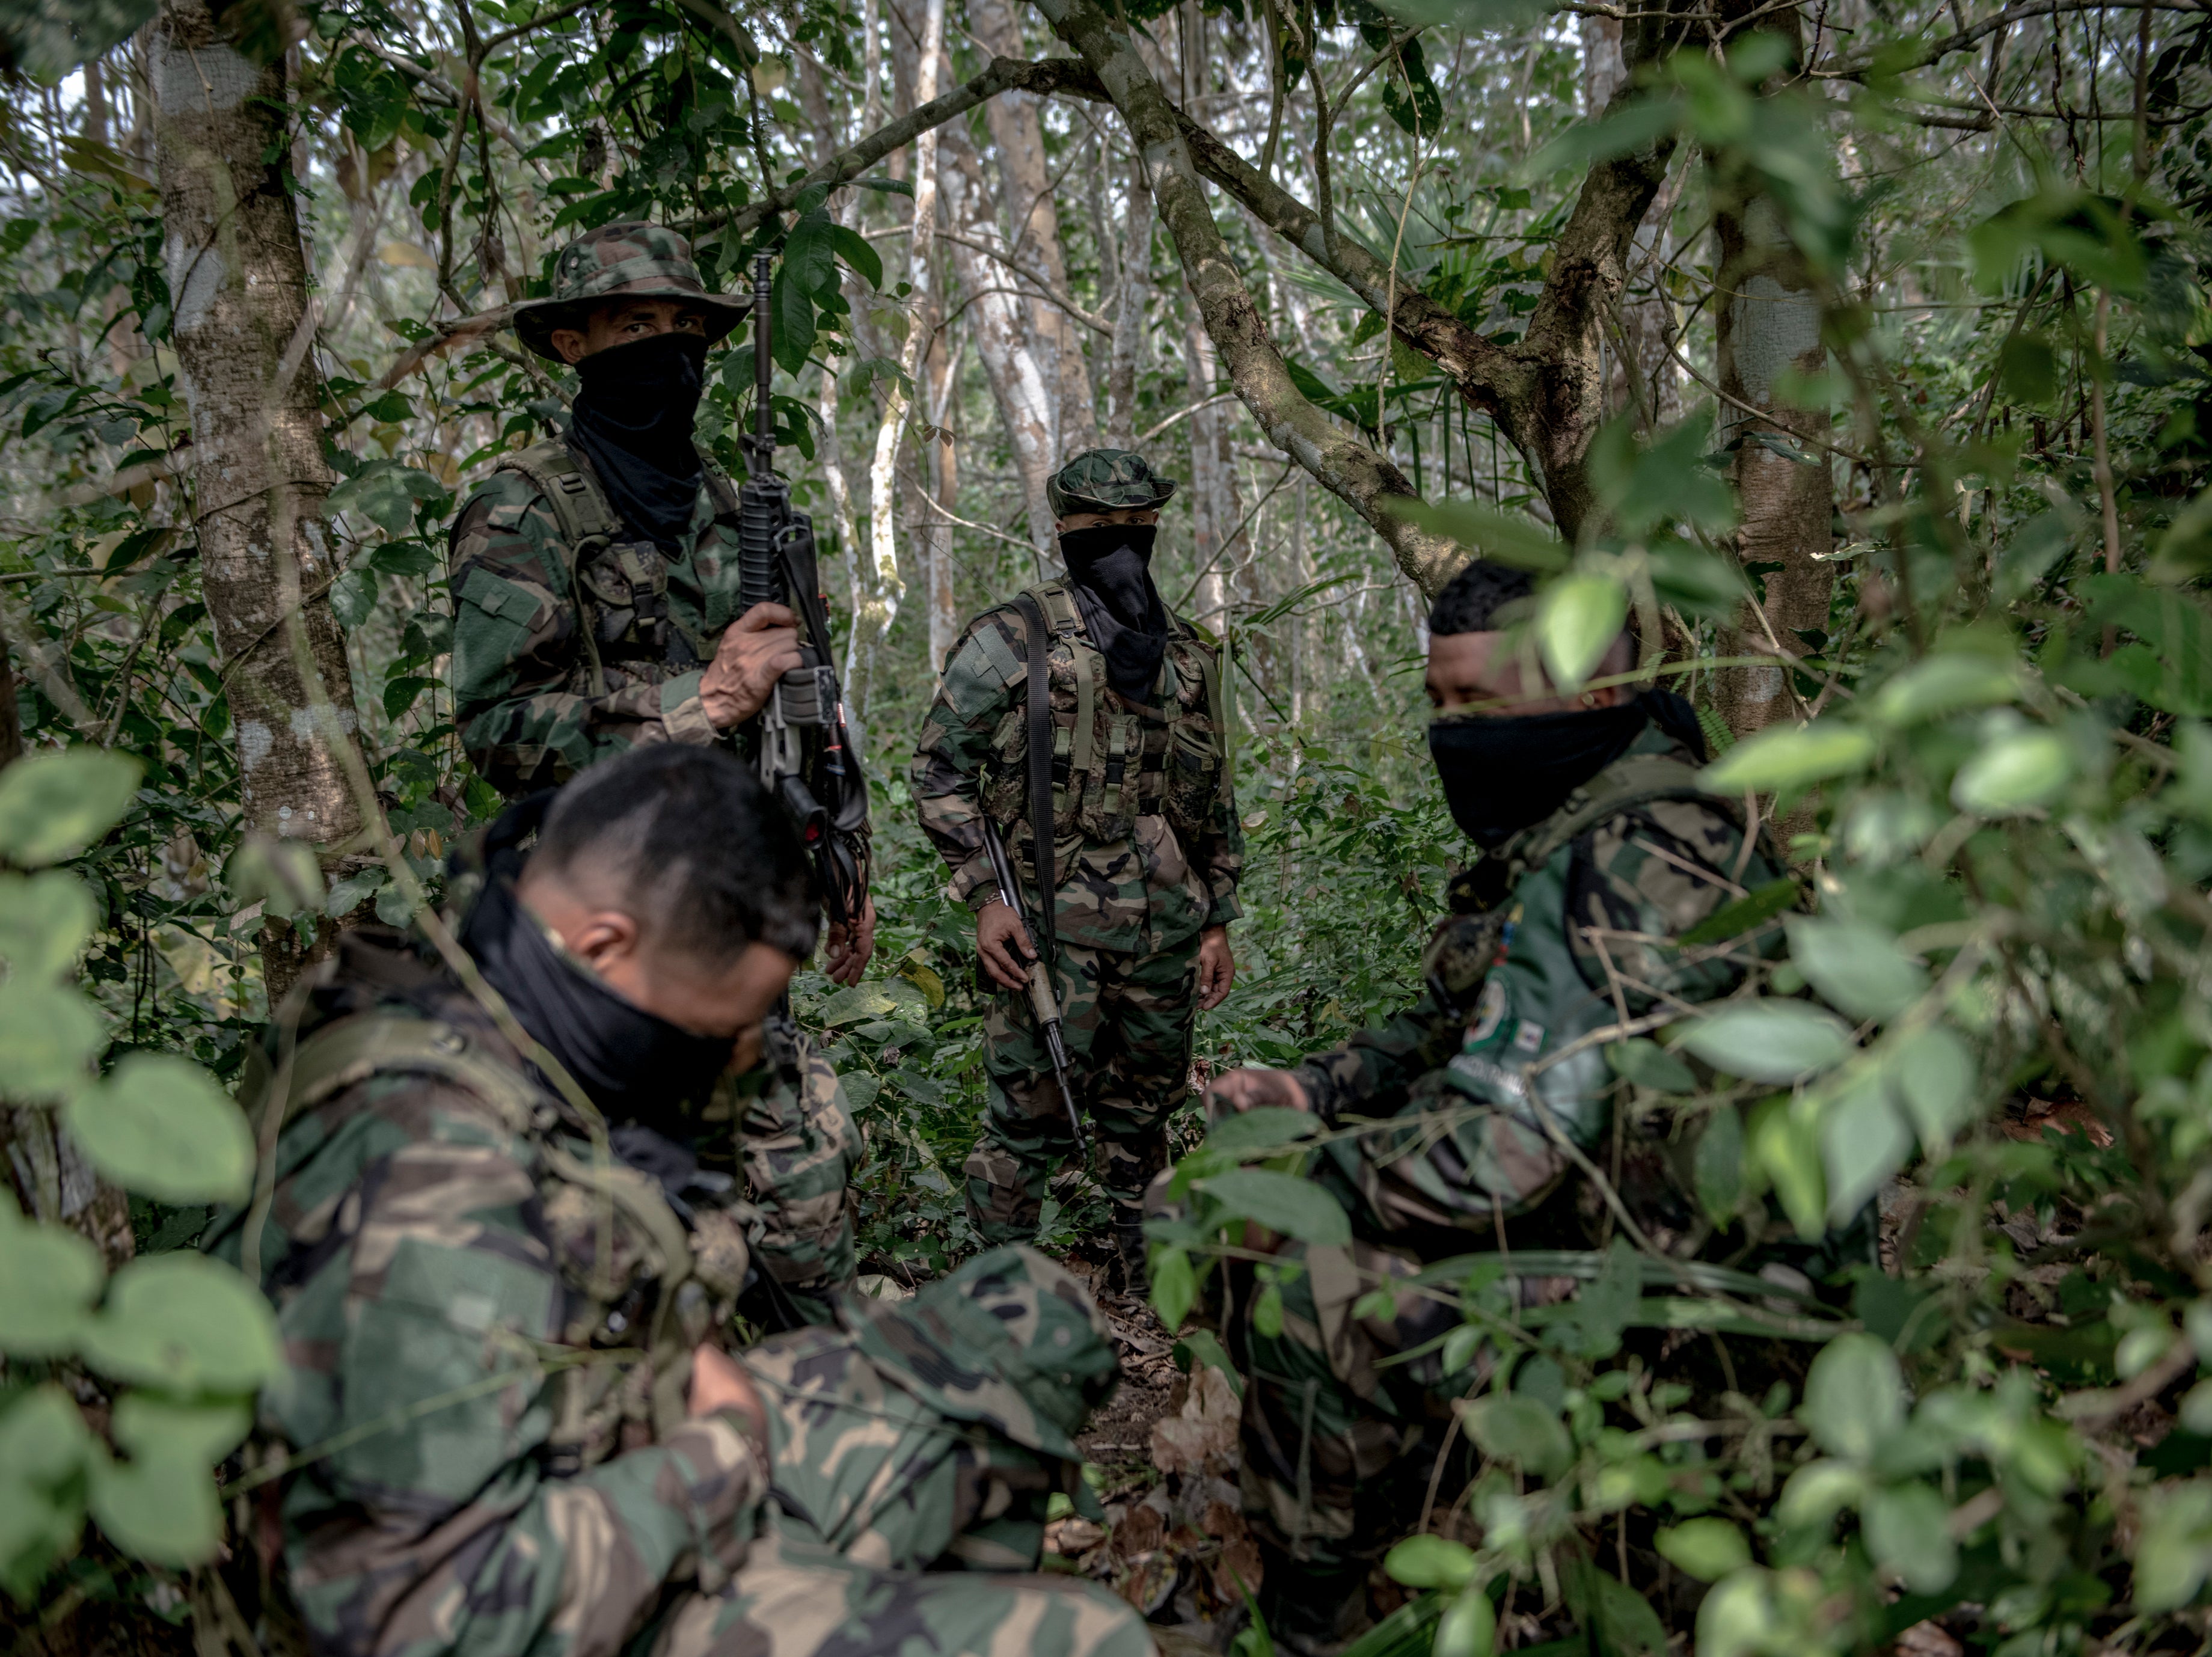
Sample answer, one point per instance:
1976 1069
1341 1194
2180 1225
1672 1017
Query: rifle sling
1042 857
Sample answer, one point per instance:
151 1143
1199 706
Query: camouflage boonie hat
1105 480
1010 1341
629 258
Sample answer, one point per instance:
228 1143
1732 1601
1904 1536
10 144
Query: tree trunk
1769 321
1369 483
238 279
1644 376
1129 310
937 473
898 398
1033 230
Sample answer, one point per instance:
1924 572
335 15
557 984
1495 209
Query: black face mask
1111 566
634 1064
633 421
1502 774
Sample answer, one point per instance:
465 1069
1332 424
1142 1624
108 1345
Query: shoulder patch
494 595
998 654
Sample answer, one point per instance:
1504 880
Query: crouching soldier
1599 848
505 1256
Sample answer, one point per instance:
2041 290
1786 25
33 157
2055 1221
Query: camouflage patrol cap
618 261
1105 480
1010 1341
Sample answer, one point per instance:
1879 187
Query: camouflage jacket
536 699
488 1332
933 1433
1556 938
1148 847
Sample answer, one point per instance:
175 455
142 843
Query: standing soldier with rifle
1083 703
613 588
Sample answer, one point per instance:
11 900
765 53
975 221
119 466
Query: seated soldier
505 1274
1597 844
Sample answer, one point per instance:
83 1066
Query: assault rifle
1042 1002
818 783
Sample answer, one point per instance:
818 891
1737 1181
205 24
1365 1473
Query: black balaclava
633 1064
1501 773
633 420
1111 566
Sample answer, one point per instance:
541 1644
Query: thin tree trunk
1033 229
1129 310
936 470
898 397
1203 498
242 332
1369 483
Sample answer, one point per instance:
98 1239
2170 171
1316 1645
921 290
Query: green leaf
283 876
1854 1397
1786 757
858 252
1621 1620
44 1447
1174 1286
49 1278
1707 1548
1908 1530
1945 684
1268 1128
2173 1550
1754 908
46 921
1717 1168
1862 1143
1468 1626
385 491
1650 1065
183 1323
2020 771
54 804
1934 1072
1577 619
1769 1040
205 1433
1788 1151
2185 551
1267 1311
1857 969
161 1508
1518 1429
42 1438
877 999
1297 1208
50 1035
159 1126
1738 1618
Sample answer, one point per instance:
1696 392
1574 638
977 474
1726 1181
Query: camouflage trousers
1126 1020
1341 1433
800 1147
795 1599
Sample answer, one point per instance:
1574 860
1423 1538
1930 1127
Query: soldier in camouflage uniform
1598 844
519 1423
595 609
1145 848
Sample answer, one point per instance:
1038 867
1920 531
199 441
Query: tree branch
1367 482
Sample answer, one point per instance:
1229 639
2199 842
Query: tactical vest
1111 763
620 583
644 1288
1510 970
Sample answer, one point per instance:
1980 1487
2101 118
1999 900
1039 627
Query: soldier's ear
605 940
570 344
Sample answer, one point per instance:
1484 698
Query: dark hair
707 860
1471 600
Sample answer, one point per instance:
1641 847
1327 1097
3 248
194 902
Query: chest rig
1111 763
623 616
643 1284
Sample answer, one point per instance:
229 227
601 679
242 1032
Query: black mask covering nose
1501 773
1111 567
633 421
635 1065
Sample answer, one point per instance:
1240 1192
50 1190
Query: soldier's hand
1217 967
757 650
999 935
1255 1090
850 946
719 1382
